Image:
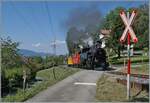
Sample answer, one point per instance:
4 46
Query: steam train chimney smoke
82 23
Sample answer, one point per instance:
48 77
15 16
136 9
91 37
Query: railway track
132 75
136 80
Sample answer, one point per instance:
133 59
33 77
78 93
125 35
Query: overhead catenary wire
22 17
34 17
50 22
26 22
30 27
51 25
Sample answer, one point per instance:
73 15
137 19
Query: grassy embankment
142 69
47 80
108 90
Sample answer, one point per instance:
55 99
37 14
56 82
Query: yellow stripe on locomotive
70 61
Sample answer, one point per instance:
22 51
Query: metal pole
54 58
129 63
124 62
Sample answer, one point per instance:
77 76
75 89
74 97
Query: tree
141 26
9 51
37 59
113 21
11 62
115 24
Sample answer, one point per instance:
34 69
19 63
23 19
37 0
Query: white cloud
36 45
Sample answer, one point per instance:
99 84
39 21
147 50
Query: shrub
11 78
14 74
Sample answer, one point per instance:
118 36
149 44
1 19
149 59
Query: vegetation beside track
136 59
19 71
142 69
108 90
47 79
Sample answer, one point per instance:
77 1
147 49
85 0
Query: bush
48 80
11 78
13 73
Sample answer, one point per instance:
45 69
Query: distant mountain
26 52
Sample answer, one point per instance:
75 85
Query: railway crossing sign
128 22
128 33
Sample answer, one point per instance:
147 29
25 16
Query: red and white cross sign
128 23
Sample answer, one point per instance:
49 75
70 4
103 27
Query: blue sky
28 22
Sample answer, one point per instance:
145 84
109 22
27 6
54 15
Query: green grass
136 59
47 75
108 90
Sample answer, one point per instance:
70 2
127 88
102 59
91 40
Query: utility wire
34 17
22 17
26 22
49 16
29 25
50 23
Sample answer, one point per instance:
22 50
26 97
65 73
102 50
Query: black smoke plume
81 23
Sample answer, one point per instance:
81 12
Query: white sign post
128 33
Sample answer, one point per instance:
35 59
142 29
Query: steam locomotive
90 57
